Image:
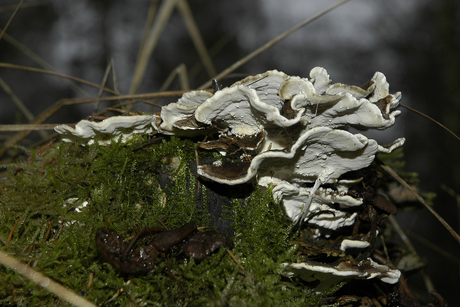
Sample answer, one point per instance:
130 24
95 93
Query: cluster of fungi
291 135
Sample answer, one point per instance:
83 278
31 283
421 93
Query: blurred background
415 43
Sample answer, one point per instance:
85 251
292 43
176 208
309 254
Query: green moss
121 184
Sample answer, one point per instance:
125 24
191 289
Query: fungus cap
365 269
107 130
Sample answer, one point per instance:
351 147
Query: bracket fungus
179 116
107 130
291 134
333 274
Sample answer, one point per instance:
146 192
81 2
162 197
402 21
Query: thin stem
433 120
42 71
390 171
11 19
44 281
255 53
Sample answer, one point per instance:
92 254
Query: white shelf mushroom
330 275
107 130
290 128
292 135
174 116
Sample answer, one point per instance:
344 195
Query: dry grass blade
149 45
223 41
235 259
37 59
393 174
119 291
148 24
114 77
104 82
402 234
192 27
270 44
13 228
19 104
43 281
435 247
23 6
18 137
30 127
163 16
433 120
181 72
11 19
106 77
452 193
126 97
47 72
16 100
428 283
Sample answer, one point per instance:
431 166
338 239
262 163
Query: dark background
415 43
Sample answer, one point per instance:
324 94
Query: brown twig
164 13
434 247
126 97
433 120
234 259
44 281
48 231
390 171
18 102
119 291
12 229
37 59
52 73
11 19
428 283
103 84
27 5
255 53
90 280
16 138
162 224
30 127
187 16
